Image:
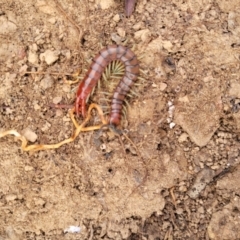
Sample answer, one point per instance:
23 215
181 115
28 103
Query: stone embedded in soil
28 168
57 100
234 90
121 32
152 53
203 178
167 45
144 110
227 6
183 138
32 57
225 223
49 56
230 181
143 35
47 82
116 18
10 197
29 135
44 7
6 26
23 69
105 4
199 117
236 117
162 86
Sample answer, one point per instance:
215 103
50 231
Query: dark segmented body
106 56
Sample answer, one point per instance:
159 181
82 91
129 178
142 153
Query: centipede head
80 106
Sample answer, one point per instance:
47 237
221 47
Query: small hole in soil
127 151
159 146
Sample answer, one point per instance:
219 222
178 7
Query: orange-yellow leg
79 128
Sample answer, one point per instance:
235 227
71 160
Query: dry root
79 128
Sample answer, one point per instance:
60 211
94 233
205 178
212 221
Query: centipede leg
79 128
87 118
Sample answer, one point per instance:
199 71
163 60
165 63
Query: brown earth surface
174 172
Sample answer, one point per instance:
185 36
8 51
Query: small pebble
163 86
137 26
66 88
36 106
183 138
121 32
10 197
46 126
28 168
46 82
179 211
32 57
116 18
49 56
66 119
52 20
144 35
57 100
29 135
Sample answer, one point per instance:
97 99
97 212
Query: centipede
99 63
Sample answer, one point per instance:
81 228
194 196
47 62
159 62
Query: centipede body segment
99 63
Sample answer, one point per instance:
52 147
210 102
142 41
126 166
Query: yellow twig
79 128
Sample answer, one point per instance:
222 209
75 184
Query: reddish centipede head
80 106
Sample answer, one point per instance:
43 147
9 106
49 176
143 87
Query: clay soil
172 173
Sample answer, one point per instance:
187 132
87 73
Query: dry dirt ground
181 180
